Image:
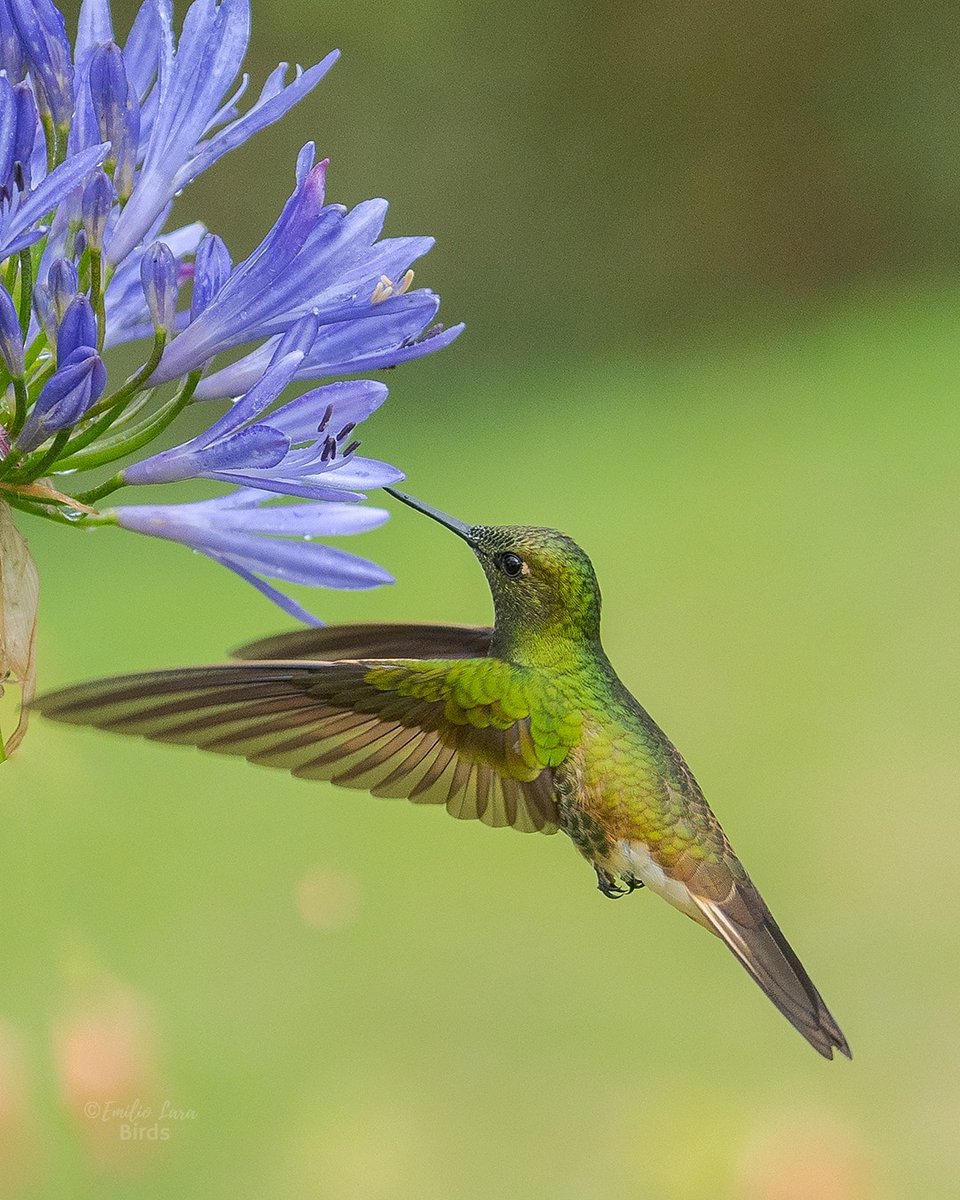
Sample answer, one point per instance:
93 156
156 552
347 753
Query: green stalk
81 440
134 440
97 296
136 381
34 468
56 514
50 137
26 290
35 349
20 409
105 489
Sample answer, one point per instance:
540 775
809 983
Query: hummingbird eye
511 564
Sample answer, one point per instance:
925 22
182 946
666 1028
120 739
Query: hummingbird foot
614 889
607 884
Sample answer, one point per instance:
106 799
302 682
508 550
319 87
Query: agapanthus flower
256 538
97 136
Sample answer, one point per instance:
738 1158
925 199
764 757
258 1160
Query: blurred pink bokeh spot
813 1155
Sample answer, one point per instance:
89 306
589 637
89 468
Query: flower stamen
387 288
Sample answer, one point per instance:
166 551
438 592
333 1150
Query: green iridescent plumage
525 724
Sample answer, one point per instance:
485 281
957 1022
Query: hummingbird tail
745 923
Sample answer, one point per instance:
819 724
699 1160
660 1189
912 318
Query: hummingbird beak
461 529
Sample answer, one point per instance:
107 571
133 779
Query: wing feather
398 732
336 643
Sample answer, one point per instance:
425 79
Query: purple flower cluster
95 141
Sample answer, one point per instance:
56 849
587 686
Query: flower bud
11 342
211 270
63 285
95 209
43 37
75 386
18 131
11 51
26 133
158 275
8 130
78 328
43 307
117 111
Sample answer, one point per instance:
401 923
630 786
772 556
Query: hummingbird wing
332 643
455 732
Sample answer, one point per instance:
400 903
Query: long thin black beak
461 529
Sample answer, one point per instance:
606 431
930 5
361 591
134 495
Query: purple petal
211 270
258 447
257 399
267 110
94 27
295 610
388 337
43 35
11 47
294 561
288 483
226 320
384 359
352 402
141 52
361 474
45 197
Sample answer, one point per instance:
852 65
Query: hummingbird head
545 593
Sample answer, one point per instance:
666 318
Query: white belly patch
639 862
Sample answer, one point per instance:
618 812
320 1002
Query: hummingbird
523 724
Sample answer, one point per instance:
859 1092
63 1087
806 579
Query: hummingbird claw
607 884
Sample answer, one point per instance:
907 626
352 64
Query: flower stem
92 432
20 409
56 514
134 440
26 289
34 350
136 381
97 296
105 489
50 137
35 467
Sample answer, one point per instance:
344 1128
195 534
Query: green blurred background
708 256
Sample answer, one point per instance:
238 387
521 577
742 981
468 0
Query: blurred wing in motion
333 643
394 728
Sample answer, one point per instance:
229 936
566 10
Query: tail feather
746 925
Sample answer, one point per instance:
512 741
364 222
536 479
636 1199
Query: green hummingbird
524 724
